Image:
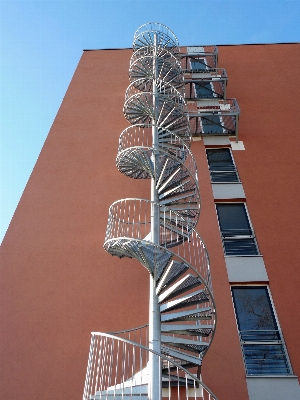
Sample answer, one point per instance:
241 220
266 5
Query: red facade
57 282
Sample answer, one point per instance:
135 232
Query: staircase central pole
154 311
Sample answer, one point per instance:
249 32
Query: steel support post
154 387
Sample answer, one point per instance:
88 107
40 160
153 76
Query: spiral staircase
162 359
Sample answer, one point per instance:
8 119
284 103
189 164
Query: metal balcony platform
214 117
199 57
208 85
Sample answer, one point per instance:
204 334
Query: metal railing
215 117
167 38
130 219
168 69
164 89
174 146
118 369
207 55
159 233
206 87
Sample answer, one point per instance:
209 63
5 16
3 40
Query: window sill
246 269
273 387
228 190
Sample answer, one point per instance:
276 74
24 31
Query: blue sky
41 43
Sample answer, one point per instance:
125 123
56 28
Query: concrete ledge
216 140
273 388
246 269
228 191
237 146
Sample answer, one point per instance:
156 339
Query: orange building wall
57 282
261 78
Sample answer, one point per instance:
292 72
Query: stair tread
189 329
186 283
179 355
188 315
193 298
195 346
172 272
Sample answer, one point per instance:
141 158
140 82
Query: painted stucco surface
57 282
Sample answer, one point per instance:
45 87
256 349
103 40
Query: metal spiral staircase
163 359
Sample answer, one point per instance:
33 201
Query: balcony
199 58
214 117
209 84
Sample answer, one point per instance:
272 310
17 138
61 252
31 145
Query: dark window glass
212 124
204 90
198 64
238 237
233 219
254 311
261 340
221 166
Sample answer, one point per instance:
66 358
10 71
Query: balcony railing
205 84
214 117
199 58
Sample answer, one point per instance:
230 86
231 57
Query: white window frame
278 328
245 236
232 159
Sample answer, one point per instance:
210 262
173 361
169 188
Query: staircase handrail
163 357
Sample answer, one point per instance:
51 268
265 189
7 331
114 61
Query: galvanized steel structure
160 233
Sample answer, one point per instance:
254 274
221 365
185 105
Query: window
204 90
212 124
238 236
198 64
221 165
261 340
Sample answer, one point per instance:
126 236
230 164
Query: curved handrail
94 376
205 280
175 148
164 90
162 52
129 330
169 67
141 134
172 110
155 27
186 251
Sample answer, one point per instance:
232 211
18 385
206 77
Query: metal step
197 297
122 389
174 200
197 314
135 390
139 109
135 247
196 346
188 282
135 163
171 273
155 257
192 330
175 380
169 180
